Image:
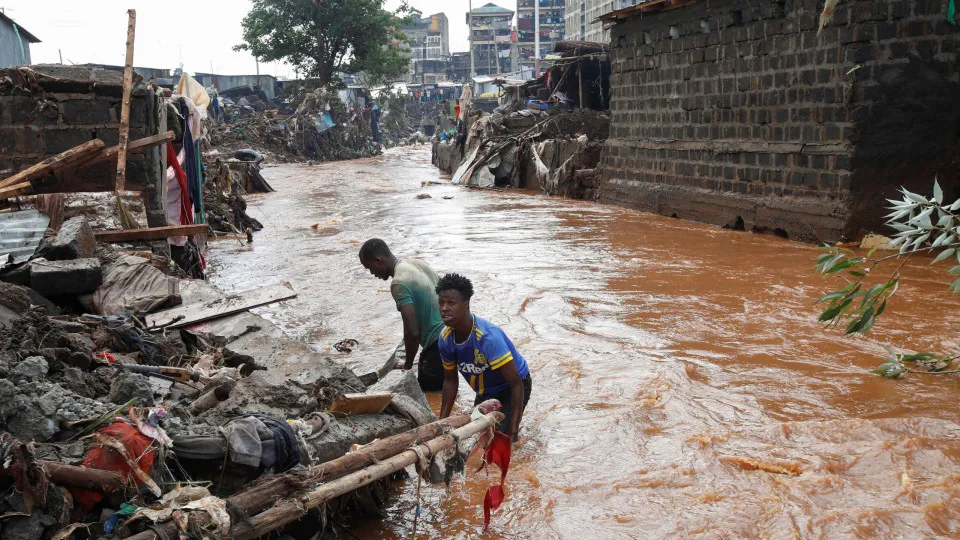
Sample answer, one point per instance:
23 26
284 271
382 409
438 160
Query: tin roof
21 233
492 9
23 31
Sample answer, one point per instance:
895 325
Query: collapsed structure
545 134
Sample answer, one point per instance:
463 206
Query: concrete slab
60 278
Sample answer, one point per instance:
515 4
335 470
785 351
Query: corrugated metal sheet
11 46
21 233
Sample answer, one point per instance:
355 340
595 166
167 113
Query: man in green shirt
413 289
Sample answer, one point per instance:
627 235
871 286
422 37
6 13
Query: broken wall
738 111
45 110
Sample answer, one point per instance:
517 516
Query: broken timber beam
55 163
84 478
340 473
133 147
349 404
290 510
25 188
153 233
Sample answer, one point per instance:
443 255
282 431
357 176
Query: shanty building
15 43
781 116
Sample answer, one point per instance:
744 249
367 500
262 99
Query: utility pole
473 67
536 37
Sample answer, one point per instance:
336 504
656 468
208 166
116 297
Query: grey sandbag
133 284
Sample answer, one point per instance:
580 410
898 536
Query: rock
25 528
30 424
876 241
424 196
33 368
18 276
59 278
75 240
132 385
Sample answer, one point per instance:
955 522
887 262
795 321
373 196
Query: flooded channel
682 386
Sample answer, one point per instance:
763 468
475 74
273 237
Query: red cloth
108 459
186 215
498 452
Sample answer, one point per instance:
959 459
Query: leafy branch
858 305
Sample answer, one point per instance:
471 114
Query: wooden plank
189 314
15 191
125 104
348 404
133 147
55 163
153 233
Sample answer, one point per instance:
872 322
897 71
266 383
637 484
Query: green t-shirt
414 282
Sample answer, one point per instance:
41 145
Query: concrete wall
71 106
10 46
738 113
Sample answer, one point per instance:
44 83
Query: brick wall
61 113
739 113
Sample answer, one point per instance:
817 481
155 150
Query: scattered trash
346 345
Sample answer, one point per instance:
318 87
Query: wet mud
682 386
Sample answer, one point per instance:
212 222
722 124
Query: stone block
61 140
75 240
85 111
58 278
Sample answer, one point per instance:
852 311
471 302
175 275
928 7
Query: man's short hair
373 248
456 282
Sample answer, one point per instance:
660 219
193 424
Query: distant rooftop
23 31
492 9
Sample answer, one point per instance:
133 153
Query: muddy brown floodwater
682 386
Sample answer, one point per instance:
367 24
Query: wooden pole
288 511
580 80
125 104
257 498
84 478
339 476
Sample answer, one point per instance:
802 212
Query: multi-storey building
581 18
552 29
492 33
429 44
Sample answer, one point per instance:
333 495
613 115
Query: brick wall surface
740 112
34 127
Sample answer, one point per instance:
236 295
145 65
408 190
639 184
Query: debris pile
313 125
137 402
546 134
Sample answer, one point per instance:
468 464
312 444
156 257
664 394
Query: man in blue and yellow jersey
482 353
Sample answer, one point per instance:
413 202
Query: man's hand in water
403 366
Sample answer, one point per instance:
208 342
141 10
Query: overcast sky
200 34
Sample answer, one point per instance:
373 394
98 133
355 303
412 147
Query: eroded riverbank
682 386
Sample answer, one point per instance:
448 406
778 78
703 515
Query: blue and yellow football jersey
480 357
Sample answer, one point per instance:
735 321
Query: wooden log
288 511
133 147
153 233
55 163
257 498
211 399
125 104
84 478
15 191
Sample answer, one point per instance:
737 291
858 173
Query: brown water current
681 384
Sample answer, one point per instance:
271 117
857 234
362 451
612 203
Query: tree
923 225
322 38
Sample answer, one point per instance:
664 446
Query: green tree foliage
922 225
322 38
